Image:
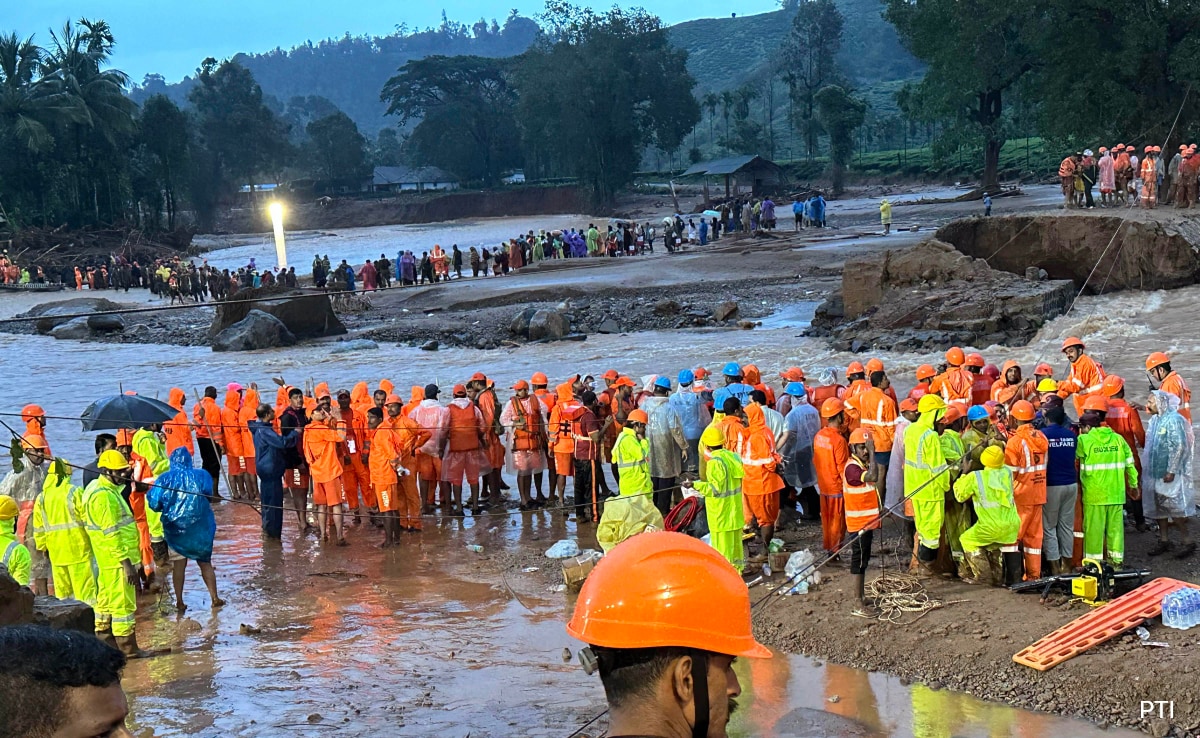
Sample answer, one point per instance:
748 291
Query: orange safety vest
1086 377
861 500
954 385
529 437
464 428
879 414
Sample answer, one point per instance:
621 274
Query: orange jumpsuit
233 439
355 478
879 413
761 483
489 408
562 440
954 385
206 417
248 412
850 398
1008 394
1173 384
831 453
414 399
1026 454
178 431
1086 377
397 440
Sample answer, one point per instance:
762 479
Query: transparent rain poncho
1169 448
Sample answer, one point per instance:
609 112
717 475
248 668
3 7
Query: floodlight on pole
276 211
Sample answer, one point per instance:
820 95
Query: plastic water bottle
475 548
1181 608
766 570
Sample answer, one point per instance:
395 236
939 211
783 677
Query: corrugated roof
410 175
728 165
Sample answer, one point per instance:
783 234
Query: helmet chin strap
700 693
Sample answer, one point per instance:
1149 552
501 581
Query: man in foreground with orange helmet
863 505
664 617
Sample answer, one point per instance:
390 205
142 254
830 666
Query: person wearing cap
1158 366
1011 386
830 454
356 481
954 384
324 437
397 454
734 387
1127 422
856 384
620 407
431 415
271 454
787 377
462 450
631 456
979 434
668 444
114 541
1066 175
34 418
1189 170
664 617
296 479
232 443
178 431
208 422
1026 452
1062 489
925 479
722 491
1086 377
1106 475
981 386
526 425
482 392
925 375
802 421
863 506
694 414
14 556
994 533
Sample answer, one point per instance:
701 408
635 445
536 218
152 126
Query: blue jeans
271 491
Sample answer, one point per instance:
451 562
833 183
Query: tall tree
336 150
711 101
840 114
810 59
165 136
977 50
600 89
467 108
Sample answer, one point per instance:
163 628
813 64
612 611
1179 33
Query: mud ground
968 644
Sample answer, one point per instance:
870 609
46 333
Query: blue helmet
664 382
796 389
977 412
732 370
686 376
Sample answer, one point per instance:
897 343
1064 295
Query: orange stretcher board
1119 615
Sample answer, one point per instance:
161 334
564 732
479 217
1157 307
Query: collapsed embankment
411 208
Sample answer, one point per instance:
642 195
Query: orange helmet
661 589
1157 358
991 371
792 374
831 407
925 371
1148 149
541 379
859 435
1022 410
974 360
393 399
908 405
1112 385
637 416
1043 370
1072 341
855 367
701 372
955 356
29 412
1096 402
952 414
874 365
610 375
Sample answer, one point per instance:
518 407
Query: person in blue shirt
1058 514
797 213
271 461
703 232
733 386
987 205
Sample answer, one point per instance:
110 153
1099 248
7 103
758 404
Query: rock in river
258 330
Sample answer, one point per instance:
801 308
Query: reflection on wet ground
429 640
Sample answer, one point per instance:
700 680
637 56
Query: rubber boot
860 585
966 569
1014 568
107 636
996 564
980 570
129 646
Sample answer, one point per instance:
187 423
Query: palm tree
29 105
710 102
727 101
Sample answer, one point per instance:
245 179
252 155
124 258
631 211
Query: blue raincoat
182 495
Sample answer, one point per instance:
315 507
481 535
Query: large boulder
64 614
258 330
358 344
519 325
548 325
305 314
75 329
106 323
725 311
52 314
16 602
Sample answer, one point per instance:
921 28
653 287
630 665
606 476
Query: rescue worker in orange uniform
753 377
356 479
1158 365
954 384
1086 377
925 375
249 468
526 425
206 419
1125 420
323 440
482 392
1042 371
539 385
761 481
35 422
462 443
863 504
415 398
1026 453
831 452
981 385
1012 387
562 440
230 415
856 376
879 415
393 465
178 431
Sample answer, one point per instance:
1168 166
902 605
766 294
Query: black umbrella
125 411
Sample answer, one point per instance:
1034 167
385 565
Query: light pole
276 211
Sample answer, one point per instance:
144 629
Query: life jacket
529 437
861 501
464 429
562 436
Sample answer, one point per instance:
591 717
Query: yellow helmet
113 460
930 402
712 437
8 508
1047 385
992 457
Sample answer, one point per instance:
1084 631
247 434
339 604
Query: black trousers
860 551
210 461
584 470
664 490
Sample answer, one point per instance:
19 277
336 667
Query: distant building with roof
412 179
749 170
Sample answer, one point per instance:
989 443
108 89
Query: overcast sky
172 37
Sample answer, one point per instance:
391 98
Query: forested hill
722 54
